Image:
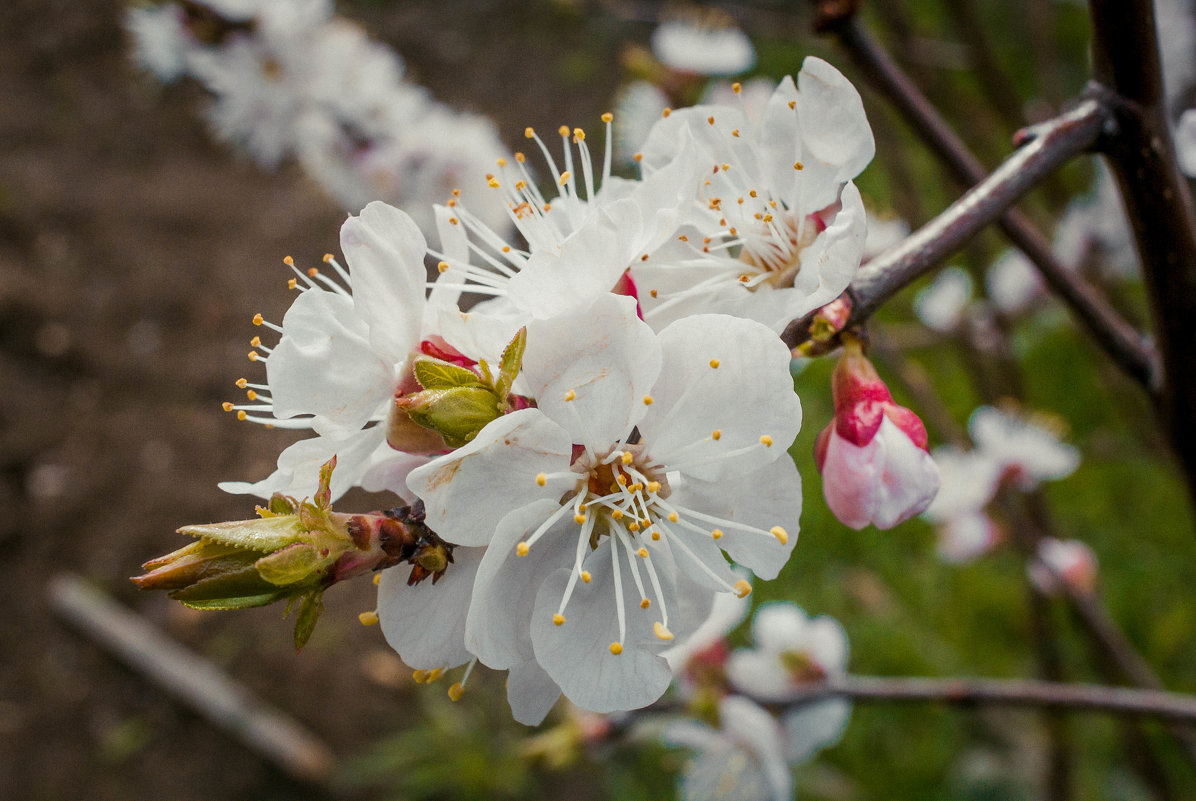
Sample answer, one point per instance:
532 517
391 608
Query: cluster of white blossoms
1013 450
289 80
594 417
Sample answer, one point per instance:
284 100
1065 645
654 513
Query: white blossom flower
160 40
792 650
1185 142
969 482
751 96
941 304
778 228
1026 448
883 233
705 46
1068 561
606 509
966 537
1013 283
638 106
741 758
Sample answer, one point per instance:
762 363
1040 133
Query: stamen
742 588
661 632
714 363
558 619
368 618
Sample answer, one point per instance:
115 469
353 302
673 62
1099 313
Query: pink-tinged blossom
873 458
1060 563
609 509
792 650
1027 448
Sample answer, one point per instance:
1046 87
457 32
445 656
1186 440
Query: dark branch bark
1157 200
1054 143
1013 692
1123 344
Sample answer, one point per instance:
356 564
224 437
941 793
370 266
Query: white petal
324 365
577 654
425 623
299 466
748 395
908 482
498 629
385 251
834 127
851 479
606 359
830 262
811 728
727 612
531 693
780 626
760 674
941 304
467 492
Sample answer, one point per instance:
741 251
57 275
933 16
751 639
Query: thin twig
1157 201
1123 344
192 679
1055 142
1005 692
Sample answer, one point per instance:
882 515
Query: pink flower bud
873 458
1068 561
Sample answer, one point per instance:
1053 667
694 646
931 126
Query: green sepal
436 374
323 496
280 504
263 535
457 414
291 564
512 361
224 604
233 588
310 609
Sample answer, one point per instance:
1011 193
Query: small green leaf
512 360
323 497
436 374
457 414
232 588
281 505
290 565
310 609
263 535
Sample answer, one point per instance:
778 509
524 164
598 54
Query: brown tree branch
1123 344
1054 143
1157 201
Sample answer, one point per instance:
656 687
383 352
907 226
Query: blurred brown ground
133 252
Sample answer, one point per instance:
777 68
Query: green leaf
437 374
310 609
457 414
290 565
264 535
232 588
323 497
512 360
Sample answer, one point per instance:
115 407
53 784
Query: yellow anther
633 526
585 576
292 283
621 479
579 519
434 674
521 185
710 120
717 534
253 355
327 258
716 434
251 395
616 648
242 383
454 221
502 162
558 619
648 400
456 691
714 363
258 319
642 553
766 441
781 534
520 157
735 133
420 676
637 158
377 579
542 479
570 395
655 535
506 248
627 458
653 486
368 618
579 135
442 267
667 111
563 130
737 87
645 603
288 261
522 548
767 218
529 132
636 487
608 117
492 183
744 278
582 507
312 272
227 406
617 514
661 632
726 166
673 518
241 415
256 342
456 193
742 588
797 165
565 176
683 238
